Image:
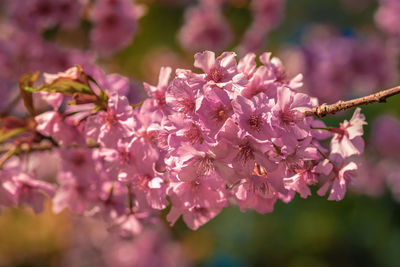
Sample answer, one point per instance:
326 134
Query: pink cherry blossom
347 140
115 24
338 182
205 28
386 135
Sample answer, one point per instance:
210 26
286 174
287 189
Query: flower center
187 106
255 122
220 114
194 134
160 98
216 75
287 116
205 165
78 159
110 118
141 181
125 155
245 152
264 190
111 21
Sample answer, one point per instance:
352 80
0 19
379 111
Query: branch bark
44 145
379 97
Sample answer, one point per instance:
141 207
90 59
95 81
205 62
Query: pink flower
55 99
288 118
205 28
247 65
157 93
267 15
181 96
114 123
183 130
80 162
260 82
115 23
253 116
306 176
276 71
71 73
111 83
386 17
22 188
245 151
393 181
220 70
338 183
74 194
386 135
214 109
256 192
371 177
129 225
193 217
44 14
152 247
198 200
268 12
189 163
347 140
62 130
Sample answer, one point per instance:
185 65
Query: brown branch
44 145
379 97
26 148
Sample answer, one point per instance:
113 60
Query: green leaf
9 134
67 86
61 85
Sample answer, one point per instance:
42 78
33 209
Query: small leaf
138 105
9 134
27 80
68 86
61 85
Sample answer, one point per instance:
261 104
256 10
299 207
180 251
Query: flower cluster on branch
234 134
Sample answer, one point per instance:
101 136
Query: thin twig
44 145
9 154
379 97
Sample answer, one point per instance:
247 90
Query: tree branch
44 145
379 97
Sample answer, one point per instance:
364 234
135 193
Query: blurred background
344 48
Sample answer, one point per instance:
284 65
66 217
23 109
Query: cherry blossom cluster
235 133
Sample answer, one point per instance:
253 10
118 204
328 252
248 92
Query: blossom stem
379 97
10 153
327 158
130 199
321 128
11 134
37 147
